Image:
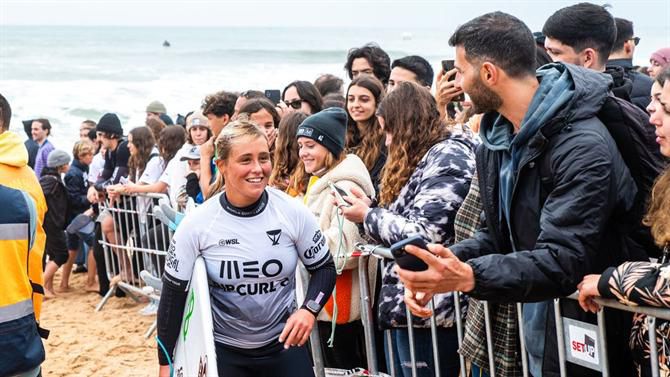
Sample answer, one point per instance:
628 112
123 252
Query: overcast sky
403 14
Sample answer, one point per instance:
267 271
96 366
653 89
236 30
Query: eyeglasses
295 104
635 40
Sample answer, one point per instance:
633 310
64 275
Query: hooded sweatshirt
349 173
15 173
555 90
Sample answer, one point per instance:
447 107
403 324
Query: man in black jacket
544 230
622 56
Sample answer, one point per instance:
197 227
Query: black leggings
282 362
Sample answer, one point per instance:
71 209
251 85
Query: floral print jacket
648 284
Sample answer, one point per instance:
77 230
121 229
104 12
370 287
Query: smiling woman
321 149
251 238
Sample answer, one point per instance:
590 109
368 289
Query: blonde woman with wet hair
251 238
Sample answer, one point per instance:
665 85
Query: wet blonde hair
658 215
224 143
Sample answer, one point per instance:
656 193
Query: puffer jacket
555 237
349 173
76 182
426 205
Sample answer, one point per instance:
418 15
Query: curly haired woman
423 184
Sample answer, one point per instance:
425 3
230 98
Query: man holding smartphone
555 190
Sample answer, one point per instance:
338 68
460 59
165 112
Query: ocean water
69 74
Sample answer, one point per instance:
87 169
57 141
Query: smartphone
339 195
448 65
409 261
273 95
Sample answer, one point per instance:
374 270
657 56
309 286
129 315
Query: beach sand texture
88 343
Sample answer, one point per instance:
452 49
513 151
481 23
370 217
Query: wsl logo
274 236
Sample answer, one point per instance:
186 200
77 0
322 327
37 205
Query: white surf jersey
251 261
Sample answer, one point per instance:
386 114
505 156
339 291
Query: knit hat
196 120
110 123
156 107
327 127
661 56
57 158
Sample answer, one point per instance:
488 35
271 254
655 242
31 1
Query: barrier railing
565 330
134 259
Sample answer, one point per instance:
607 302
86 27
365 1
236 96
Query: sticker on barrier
195 345
582 343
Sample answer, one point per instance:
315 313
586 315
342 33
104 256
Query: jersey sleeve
310 243
152 171
181 255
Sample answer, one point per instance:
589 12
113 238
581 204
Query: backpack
636 141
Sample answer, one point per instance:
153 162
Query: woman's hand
164 371
360 204
588 290
282 109
416 302
297 329
92 195
130 188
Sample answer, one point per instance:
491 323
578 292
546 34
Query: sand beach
84 342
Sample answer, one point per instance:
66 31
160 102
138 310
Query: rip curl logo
274 236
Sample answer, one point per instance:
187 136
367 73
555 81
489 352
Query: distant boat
406 36
166 43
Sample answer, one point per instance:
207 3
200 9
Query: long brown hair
226 140
171 139
286 159
658 215
367 141
144 142
411 117
156 125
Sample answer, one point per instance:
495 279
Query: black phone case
409 261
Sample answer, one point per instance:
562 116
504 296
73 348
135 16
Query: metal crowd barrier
566 328
142 242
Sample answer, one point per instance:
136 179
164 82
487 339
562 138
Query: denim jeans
447 344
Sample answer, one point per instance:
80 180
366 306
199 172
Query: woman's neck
241 208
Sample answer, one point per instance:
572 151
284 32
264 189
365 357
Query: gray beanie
57 158
156 107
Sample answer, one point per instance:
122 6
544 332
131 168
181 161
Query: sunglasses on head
295 104
635 40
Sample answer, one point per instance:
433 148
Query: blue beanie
327 127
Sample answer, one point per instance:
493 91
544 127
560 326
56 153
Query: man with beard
554 188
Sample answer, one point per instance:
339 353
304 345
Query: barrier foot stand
110 292
151 330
